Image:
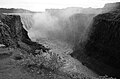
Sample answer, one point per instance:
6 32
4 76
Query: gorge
83 42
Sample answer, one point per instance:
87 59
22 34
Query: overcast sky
41 5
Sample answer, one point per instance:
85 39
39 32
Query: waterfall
62 31
27 20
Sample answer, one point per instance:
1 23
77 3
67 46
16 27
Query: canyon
83 42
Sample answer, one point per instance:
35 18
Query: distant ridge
15 10
111 7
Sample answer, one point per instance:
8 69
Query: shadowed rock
102 48
12 34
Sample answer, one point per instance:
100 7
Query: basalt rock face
12 33
103 43
104 40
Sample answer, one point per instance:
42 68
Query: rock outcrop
102 46
12 34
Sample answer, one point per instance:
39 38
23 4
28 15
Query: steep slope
100 51
14 35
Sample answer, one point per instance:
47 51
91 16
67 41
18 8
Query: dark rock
12 34
102 46
104 39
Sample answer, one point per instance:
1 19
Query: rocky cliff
102 47
12 33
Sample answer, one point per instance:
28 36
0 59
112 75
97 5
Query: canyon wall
12 33
102 46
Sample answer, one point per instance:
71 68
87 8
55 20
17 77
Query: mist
67 26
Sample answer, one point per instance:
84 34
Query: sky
41 5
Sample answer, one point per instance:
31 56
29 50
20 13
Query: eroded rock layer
13 34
